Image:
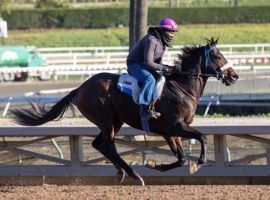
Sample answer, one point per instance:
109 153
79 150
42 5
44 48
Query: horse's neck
193 85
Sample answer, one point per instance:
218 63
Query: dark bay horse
99 100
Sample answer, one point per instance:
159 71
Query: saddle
131 86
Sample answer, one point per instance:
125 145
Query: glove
167 69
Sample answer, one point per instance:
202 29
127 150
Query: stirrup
153 114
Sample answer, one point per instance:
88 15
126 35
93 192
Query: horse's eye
217 57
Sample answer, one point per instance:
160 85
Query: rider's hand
167 69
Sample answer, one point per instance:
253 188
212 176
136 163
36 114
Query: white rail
91 60
239 54
229 48
119 58
91 70
219 166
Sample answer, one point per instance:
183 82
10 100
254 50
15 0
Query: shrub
113 17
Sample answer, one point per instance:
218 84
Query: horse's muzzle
230 80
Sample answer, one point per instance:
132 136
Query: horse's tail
40 115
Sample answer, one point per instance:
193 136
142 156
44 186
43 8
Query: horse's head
206 61
216 63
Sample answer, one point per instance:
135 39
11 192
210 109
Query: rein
200 75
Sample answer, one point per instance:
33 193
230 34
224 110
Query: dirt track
183 192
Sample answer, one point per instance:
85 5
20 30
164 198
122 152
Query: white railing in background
87 61
238 54
227 48
86 71
106 59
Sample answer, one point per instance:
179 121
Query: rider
146 58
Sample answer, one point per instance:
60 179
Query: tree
132 23
141 19
137 21
5 5
234 2
174 3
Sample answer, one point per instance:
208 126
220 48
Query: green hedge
113 17
213 15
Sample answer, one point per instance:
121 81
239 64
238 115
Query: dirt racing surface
183 192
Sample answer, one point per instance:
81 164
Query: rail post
7 106
221 153
76 150
268 159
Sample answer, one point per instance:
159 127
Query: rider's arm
149 51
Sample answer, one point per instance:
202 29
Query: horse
99 100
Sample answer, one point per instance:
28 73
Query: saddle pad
130 85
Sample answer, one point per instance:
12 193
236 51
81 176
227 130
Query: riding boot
144 112
147 113
144 118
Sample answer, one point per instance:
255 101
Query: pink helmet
169 24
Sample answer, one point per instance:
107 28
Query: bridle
208 61
207 57
219 75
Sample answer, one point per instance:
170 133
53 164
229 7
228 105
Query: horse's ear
208 42
212 41
216 41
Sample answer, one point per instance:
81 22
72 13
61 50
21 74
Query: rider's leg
146 94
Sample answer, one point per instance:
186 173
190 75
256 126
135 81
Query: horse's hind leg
107 147
97 142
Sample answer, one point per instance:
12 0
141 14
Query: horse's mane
185 53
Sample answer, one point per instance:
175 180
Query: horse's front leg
177 149
185 131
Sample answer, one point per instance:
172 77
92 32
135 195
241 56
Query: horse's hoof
193 168
120 176
151 164
201 161
139 181
182 162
